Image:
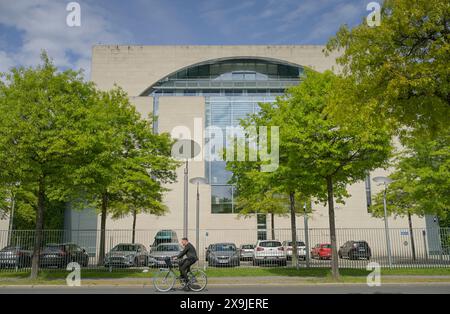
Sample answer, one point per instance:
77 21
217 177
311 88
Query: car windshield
326 246
10 248
125 247
299 243
167 248
224 247
248 247
164 234
53 247
270 244
361 243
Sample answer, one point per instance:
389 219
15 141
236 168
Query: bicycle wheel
197 280
164 280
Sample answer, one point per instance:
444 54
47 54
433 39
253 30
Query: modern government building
189 88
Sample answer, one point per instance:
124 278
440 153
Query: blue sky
28 26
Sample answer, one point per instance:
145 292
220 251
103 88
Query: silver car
301 249
127 255
246 252
223 254
161 252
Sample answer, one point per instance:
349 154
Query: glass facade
232 89
368 187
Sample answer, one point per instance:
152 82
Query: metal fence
227 247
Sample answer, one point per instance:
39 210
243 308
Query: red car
321 251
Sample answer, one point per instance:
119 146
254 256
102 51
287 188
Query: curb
229 285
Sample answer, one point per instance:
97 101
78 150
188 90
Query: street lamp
198 181
386 181
305 220
185 150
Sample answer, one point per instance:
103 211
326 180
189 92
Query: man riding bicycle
191 258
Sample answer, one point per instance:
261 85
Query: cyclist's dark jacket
190 252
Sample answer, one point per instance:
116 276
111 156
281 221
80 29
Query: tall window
368 192
232 89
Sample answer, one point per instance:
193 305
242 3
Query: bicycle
165 279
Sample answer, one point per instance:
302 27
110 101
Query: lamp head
383 180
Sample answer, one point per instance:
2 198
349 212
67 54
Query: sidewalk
238 281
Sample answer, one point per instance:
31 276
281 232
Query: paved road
434 288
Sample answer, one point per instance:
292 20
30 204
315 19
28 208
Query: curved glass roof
233 73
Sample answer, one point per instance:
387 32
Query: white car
269 252
301 249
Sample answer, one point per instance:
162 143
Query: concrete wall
4 223
135 68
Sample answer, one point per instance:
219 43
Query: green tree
421 180
268 202
147 167
127 162
402 66
282 186
400 202
40 127
326 155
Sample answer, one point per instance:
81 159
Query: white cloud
6 62
42 24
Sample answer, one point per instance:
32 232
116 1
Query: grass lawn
324 273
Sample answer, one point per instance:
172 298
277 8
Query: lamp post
185 149
386 181
197 181
11 218
305 220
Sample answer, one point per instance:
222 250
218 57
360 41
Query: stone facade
136 68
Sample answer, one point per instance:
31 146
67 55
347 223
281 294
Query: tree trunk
133 236
334 253
39 229
104 213
293 230
411 235
272 225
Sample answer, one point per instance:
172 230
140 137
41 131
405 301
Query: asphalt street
428 288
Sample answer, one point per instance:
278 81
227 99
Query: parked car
269 251
208 251
15 256
164 236
224 254
301 249
321 251
127 255
59 255
246 252
355 250
158 254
